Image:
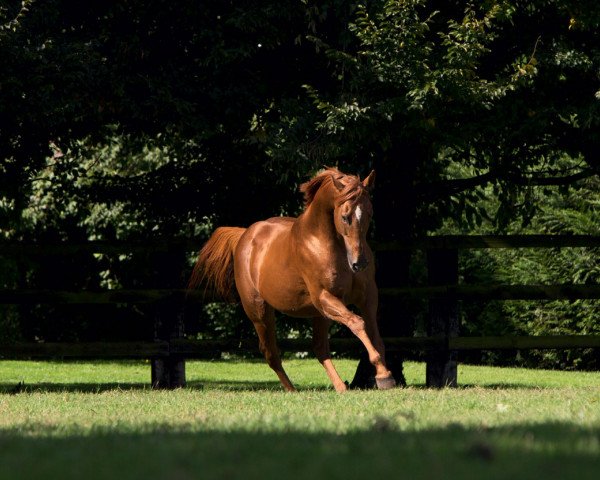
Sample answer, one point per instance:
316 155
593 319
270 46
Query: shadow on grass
6 388
500 386
550 451
249 386
226 385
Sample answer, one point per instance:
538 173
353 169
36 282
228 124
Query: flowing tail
214 267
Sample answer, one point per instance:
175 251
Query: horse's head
352 217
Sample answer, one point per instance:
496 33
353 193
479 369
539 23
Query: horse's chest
339 283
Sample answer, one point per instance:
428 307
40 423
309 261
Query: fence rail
448 292
463 242
443 293
497 292
460 242
100 246
200 348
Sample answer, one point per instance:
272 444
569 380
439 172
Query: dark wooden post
168 267
169 372
442 266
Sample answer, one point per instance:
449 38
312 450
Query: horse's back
261 236
269 229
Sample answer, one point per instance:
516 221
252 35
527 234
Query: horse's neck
317 219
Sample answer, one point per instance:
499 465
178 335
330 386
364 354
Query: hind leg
265 328
263 318
258 310
321 348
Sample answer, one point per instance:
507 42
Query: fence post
169 372
166 269
442 266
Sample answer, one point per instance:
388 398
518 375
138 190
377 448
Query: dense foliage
130 120
571 212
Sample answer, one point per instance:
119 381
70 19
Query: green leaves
12 24
477 84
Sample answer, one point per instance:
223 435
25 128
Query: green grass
100 419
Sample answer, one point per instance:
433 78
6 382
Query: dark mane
352 190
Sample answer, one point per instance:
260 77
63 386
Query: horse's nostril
360 265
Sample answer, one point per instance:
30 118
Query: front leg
368 305
321 349
332 307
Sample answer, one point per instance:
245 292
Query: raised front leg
333 308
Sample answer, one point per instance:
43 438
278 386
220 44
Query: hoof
385 383
341 388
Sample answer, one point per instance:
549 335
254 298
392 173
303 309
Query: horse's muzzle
359 265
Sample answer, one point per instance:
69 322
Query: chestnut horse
311 266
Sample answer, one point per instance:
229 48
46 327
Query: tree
184 77
131 119
163 114
445 98
504 90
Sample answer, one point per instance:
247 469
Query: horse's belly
286 293
299 310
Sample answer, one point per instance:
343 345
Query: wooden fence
169 351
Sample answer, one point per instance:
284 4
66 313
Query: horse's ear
369 182
337 183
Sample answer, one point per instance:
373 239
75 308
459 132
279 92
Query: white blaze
358 213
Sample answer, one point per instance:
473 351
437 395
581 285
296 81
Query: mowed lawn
100 420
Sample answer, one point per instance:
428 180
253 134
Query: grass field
99 420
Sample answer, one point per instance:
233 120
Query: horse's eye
346 219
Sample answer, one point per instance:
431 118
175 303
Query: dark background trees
124 120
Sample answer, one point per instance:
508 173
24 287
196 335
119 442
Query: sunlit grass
234 414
